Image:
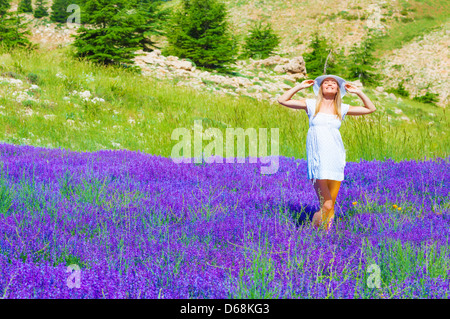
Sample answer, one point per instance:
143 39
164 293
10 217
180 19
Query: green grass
140 113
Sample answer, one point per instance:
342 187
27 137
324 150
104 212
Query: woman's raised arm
285 99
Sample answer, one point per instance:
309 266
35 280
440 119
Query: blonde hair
337 101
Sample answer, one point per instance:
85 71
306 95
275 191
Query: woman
324 148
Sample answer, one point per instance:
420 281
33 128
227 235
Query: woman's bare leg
333 187
325 200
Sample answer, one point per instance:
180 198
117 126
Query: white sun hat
318 82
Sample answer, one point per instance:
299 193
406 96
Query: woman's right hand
306 84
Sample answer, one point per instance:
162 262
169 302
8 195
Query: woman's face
329 86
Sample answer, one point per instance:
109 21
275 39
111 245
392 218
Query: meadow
141 226
87 179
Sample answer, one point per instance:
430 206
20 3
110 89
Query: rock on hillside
257 78
421 63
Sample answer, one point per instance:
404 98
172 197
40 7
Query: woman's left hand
350 88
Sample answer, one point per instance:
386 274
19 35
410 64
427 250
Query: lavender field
141 226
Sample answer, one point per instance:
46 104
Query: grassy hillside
140 113
342 23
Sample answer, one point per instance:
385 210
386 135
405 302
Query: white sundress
324 147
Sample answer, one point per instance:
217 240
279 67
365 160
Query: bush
12 30
320 55
25 6
33 78
400 90
199 31
41 10
120 28
59 10
430 98
361 60
260 42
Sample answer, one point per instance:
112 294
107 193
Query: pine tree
41 10
199 31
12 31
4 7
260 42
154 20
361 61
324 58
59 11
114 37
25 6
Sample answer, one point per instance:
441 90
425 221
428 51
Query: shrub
199 31
361 61
400 90
59 10
25 6
260 42
41 10
12 31
118 32
33 78
430 98
320 55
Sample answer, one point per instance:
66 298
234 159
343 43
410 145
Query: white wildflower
61 75
34 87
16 82
49 116
85 94
97 99
89 77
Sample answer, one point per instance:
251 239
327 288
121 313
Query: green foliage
41 10
154 21
120 29
12 31
33 78
323 55
59 10
400 90
25 6
430 98
199 31
361 61
4 7
260 42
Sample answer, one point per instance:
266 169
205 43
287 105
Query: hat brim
318 82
